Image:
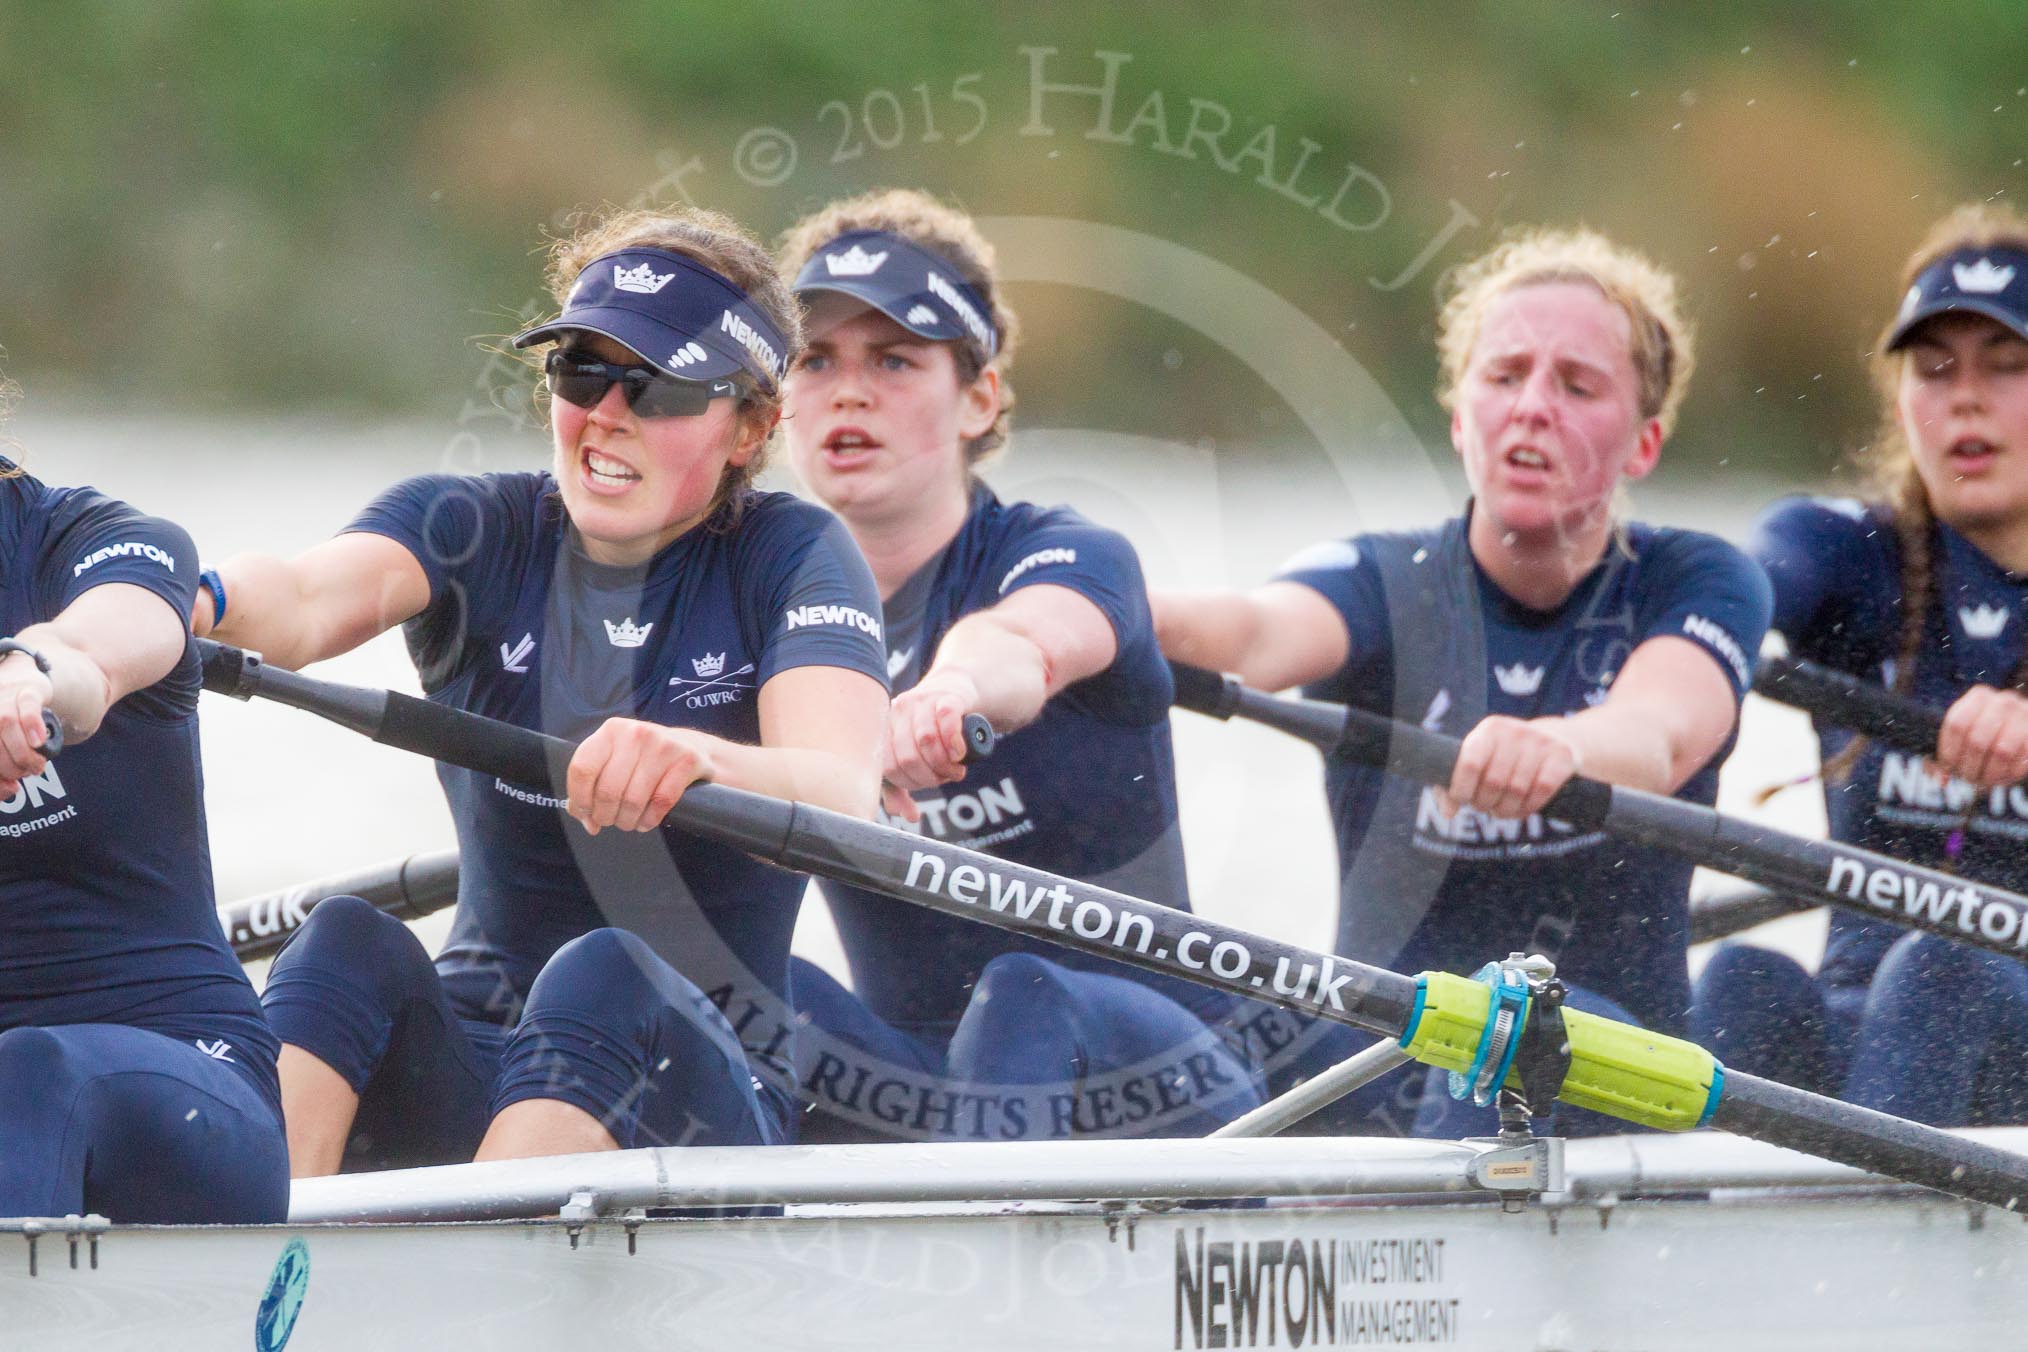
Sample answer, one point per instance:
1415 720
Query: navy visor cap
685 319
910 285
1990 282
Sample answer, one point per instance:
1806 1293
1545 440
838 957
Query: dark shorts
139 1126
608 1027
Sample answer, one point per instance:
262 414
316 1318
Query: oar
1440 1019
1826 870
1849 702
407 889
1723 913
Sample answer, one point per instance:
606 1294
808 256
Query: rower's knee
1934 961
1015 981
608 968
351 935
35 1066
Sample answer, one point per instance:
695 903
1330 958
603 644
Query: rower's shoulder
1359 552
1004 520
1824 516
1837 537
77 511
771 520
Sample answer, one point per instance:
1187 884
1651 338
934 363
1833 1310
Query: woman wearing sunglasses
639 597
1038 619
137 1076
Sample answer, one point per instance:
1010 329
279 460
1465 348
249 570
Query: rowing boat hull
1766 1269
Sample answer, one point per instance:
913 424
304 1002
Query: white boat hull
1836 1264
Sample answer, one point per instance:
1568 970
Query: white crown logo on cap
855 262
921 314
1910 301
1982 277
687 355
644 279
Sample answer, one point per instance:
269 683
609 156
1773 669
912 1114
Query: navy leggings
608 1027
137 1125
1041 1051
1944 1036
1759 1011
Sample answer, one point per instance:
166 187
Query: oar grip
52 735
1206 692
979 736
1615 1068
1837 697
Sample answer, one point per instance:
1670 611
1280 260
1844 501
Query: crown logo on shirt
626 634
855 262
643 279
1983 621
1518 680
709 665
1982 276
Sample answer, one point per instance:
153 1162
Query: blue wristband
210 578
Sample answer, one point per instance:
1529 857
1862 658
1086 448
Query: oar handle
52 734
1838 697
1360 735
979 738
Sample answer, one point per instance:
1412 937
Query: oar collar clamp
1501 1038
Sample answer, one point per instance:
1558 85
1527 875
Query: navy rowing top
1087 790
1836 568
1435 642
522 626
107 913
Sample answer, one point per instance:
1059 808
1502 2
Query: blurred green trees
229 207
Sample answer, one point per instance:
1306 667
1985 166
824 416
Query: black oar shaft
1843 699
1725 913
942 877
1109 924
1841 875
407 889
1873 1141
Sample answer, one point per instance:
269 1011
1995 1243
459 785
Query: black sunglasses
582 379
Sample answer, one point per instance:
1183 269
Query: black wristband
15 645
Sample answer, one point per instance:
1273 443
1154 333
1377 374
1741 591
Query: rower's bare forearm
323 602
1007 674
802 774
1215 630
1627 747
80 689
266 612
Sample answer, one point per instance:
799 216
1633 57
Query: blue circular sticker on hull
276 1319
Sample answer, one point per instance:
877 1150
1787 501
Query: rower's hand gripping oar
1835 873
1440 1019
